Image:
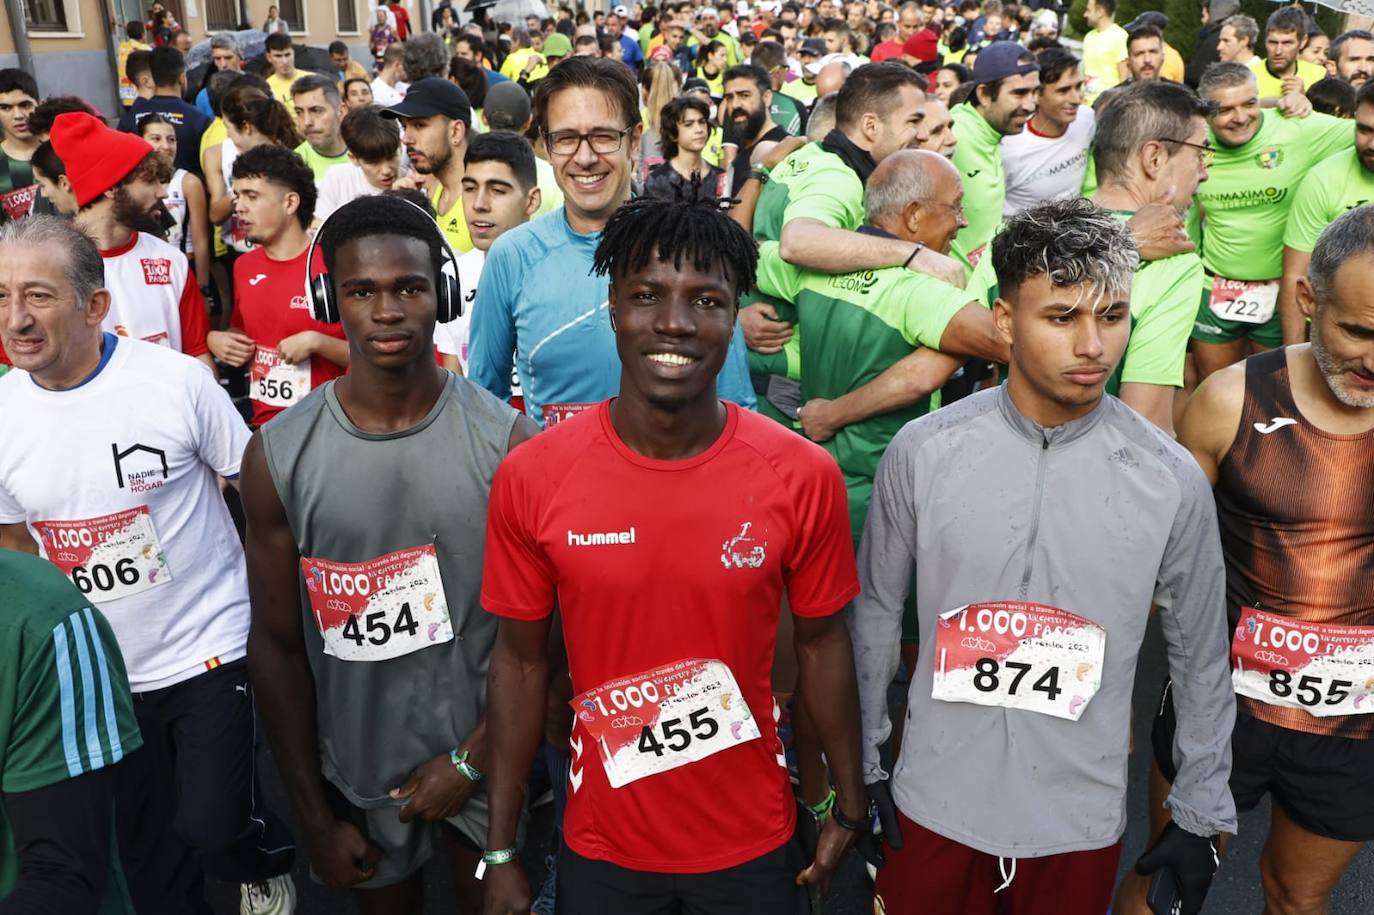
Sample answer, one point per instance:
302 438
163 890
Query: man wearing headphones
368 642
290 352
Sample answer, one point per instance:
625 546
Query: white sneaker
274 896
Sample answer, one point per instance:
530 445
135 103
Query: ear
1152 158
458 133
1307 297
611 298
292 201
911 216
1001 317
533 201
97 307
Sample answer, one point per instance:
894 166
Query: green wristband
503 856
460 762
821 809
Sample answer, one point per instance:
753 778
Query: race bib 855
1320 668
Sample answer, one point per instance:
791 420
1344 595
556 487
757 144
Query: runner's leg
934 874
1213 357
1037 885
1299 868
464 856
404 898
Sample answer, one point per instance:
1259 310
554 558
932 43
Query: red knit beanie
97 158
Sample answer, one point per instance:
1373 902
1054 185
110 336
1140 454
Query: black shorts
1321 782
767 885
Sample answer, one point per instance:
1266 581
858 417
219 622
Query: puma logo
1275 425
257 279
242 688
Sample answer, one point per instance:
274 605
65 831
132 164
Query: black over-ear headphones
324 301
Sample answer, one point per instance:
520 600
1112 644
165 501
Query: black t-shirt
739 171
664 181
188 120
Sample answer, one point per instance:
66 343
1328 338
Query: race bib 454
657 720
380 609
1018 655
108 557
1320 668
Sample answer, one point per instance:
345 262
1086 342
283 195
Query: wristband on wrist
501 856
845 822
465 768
918 249
824 807
759 174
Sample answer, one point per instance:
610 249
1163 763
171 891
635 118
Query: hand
298 347
1293 84
405 182
940 266
888 829
1294 105
834 843
817 419
507 890
232 347
436 790
1159 231
771 156
340 855
764 331
1193 859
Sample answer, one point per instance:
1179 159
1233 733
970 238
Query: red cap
921 45
97 158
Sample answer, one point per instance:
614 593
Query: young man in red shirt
666 524
272 327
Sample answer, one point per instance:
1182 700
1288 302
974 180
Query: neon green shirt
65 707
786 113
1250 188
1270 85
318 162
1333 187
453 223
857 326
811 183
800 90
1103 50
979 160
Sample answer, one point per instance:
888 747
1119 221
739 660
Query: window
45 15
221 15
293 11
347 15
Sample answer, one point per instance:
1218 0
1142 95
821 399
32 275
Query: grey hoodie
1100 517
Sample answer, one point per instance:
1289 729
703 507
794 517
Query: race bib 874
108 557
1018 655
379 609
1320 668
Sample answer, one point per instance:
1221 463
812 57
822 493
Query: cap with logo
431 96
97 157
1000 60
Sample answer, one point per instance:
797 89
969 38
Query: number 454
379 631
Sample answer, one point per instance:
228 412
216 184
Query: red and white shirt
657 563
270 305
154 297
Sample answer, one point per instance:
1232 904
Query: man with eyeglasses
1262 157
1152 147
538 306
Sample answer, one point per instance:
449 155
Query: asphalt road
1235 892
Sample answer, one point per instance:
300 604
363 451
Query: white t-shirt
177 236
1040 168
339 185
153 296
452 338
144 440
384 96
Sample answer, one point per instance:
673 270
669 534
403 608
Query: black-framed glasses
602 141
1207 152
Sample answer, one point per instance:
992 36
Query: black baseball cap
431 96
1149 17
812 46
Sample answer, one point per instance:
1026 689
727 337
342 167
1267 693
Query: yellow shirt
1173 65
281 90
516 62
127 90
454 224
1270 85
1103 50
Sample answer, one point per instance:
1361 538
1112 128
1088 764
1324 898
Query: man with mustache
744 114
1353 54
120 182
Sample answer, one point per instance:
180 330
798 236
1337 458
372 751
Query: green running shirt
1333 187
979 160
1250 188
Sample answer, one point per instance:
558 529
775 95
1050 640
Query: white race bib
109 557
1321 668
380 609
1244 301
1018 655
277 383
658 720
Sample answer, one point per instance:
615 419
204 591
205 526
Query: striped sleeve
71 711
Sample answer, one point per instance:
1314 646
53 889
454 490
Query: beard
1332 370
437 163
130 214
743 134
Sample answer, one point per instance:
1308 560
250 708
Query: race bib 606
657 720
1320 668
1244 301
1018 655
379 609
108 557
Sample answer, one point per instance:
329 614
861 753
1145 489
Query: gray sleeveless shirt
352 497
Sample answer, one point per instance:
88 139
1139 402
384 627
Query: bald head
831 77
916 195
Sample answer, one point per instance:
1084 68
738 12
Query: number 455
677 738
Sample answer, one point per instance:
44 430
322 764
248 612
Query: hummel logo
1275 425
257 279
601 538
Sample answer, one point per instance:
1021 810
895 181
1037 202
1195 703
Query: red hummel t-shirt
270 305
668 573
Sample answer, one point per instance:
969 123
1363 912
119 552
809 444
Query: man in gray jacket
1038 522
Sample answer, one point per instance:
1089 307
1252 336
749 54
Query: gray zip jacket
1099 517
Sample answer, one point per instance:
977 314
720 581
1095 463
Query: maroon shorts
938 875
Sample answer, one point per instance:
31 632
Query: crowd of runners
763 433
